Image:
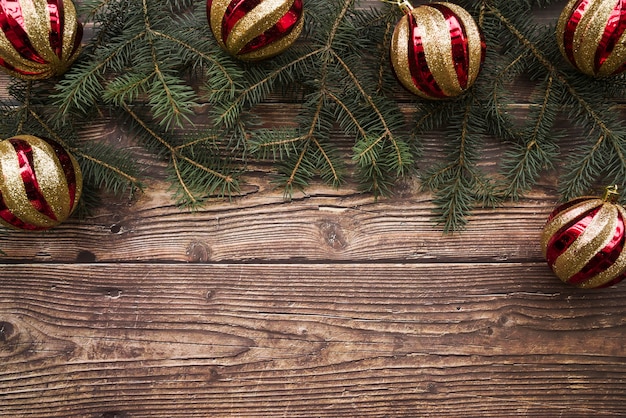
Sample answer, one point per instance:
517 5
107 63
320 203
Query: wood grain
323 340
331 304
321 225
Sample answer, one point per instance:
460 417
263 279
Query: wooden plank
328 340
321 224
330 305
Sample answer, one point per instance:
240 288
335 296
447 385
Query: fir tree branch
175 152
279 143
335 175
386 134
93 7
289 184
196 142
173 112
457 184
181 181
229 115
205 56
81 89
353 118
383 61
329 74
145 53
497 108
551 69
76 151
524 169
578 176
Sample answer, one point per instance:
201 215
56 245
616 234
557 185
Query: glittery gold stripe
564 218
560 26
472 31
400 56
255 22
615 60
70 26
51 177
218 8
275 47
595 237
13 58
588 34
438 49
79 182
13 190
37 25
616 269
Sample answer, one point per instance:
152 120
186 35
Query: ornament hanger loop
404 5
611 193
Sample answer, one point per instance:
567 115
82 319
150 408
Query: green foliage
338 90
103 166
142 64
155 67
527 54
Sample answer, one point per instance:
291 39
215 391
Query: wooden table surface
329 305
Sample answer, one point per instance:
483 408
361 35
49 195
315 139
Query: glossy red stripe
604 258
459 43
614 29
561 240
11 219
56 13
12 24
25 158
282 28
234 12
18 70
68 169
571 26
565 206
420 72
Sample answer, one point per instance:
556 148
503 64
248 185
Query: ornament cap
611 194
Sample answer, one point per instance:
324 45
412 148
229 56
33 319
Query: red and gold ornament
583 241
40 183
39 38
591 35
255 29
437 49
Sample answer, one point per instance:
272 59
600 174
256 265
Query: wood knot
10 340
333 236
112 293
198 252
6 331
86 257
212 376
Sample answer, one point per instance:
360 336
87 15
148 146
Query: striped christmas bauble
255 29
591 35
583 241
39 38
40 183
437 50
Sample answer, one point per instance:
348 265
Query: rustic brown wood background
330 305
